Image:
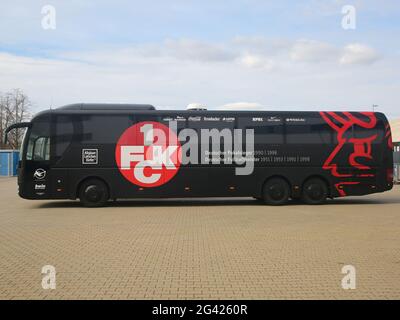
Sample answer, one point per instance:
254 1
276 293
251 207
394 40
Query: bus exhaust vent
107 106
196 107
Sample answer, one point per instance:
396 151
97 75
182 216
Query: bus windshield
38 148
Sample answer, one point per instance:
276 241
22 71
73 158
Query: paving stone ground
199 249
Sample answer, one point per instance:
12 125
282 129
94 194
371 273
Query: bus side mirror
15 126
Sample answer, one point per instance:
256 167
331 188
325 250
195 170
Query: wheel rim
315 192
276 192
93 193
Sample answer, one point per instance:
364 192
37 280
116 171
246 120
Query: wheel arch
279 176
320 177
81 181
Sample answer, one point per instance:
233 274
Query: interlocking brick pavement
199 249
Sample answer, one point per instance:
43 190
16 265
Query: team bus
102 152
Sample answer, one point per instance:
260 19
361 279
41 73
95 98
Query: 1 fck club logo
148 154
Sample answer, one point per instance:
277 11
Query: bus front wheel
93 193
276 192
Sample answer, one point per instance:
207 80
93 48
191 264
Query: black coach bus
100 152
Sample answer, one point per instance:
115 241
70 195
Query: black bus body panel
294 152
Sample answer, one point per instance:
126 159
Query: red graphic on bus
361 151
148 154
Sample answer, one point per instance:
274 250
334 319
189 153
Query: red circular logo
148 154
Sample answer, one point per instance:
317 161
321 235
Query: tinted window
365 133
64 133
103 129
39 140
210 130
180 121
215 134
41 149
267 130
311 131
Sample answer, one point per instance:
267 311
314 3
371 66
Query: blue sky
240 54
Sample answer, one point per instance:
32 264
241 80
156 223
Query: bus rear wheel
93 193
315 191
276 192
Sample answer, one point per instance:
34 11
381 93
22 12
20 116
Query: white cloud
250 52
175 75
357 53
313 51
196 50
261 45
182 50
257 61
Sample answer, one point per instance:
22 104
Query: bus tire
276 192
93 193
315 191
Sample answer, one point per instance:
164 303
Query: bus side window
63 136
41 149
313 131
265 132
102 129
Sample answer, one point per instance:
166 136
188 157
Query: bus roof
115 108
107 106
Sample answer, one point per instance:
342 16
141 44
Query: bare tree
14 107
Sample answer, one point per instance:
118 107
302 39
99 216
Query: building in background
395 126
9 162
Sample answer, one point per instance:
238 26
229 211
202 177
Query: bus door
36 164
